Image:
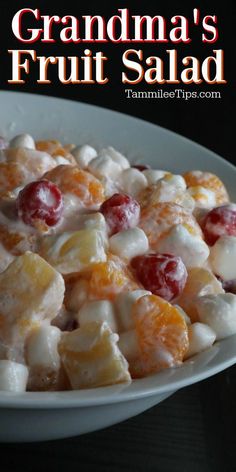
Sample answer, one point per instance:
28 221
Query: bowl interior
74 122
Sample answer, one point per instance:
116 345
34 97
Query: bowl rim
141 388
178 377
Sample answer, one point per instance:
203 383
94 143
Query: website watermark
177 93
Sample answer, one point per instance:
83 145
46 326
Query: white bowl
49 415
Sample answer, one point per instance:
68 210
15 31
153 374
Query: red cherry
141 167
220 221
41 200
163 274
121 212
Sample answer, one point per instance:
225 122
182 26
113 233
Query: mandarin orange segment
157 220
162 335
91 357
16 242
209 181
11 176
200 282
55 148
110 278
72 179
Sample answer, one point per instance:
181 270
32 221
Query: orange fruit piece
72 179
55 148
157 220
200 282
11 176
17 242
162 335
110 278
209 181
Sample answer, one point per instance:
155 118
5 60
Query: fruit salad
108 271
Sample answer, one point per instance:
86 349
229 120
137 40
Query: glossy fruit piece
30 291
91 357
40 201
156 221
200 282
162 336
110 278
220 221
209 181
78 182
163 274
74 251
121 212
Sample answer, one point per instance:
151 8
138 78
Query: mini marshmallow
176 180
132 181
201 337
116 156
92 221
123 305
60 160
22 141
128 344
223 257
203 197
83 155
104 165
99 311
129 243
180 242
153 175
219 312
41 347
13 376
169 188
78 295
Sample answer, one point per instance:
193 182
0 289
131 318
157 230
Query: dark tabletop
194 429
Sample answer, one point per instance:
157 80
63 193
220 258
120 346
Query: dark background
195 428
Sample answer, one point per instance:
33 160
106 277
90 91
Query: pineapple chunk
92 358
74 251
30 291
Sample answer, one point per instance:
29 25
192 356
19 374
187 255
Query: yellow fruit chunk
30 291
78 182
74 251
91 357
162 336
200 282
157 220
209 181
